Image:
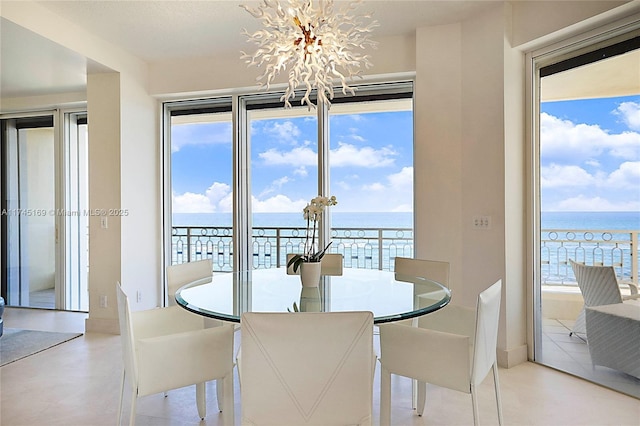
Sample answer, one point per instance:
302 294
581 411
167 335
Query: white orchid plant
312 213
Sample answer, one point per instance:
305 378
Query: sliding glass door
588 195
30 237
43 213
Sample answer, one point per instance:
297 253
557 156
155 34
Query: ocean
549 220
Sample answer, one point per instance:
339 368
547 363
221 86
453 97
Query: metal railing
375 248
617 248
367 248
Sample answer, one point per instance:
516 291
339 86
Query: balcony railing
367 248
375 248
617 248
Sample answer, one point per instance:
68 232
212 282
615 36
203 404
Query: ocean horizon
628 221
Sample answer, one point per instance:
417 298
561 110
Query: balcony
375 248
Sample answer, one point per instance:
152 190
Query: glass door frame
607 34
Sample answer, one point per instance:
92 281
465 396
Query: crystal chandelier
316 44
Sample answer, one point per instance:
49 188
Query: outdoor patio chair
599 286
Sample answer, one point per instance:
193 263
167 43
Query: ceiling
160 30
31 65
171 30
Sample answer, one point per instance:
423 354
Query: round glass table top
390 296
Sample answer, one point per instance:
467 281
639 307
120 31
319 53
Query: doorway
43 213
588 154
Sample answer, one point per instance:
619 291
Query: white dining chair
457 353
332 264
435 270
162 352
307 368
410 268
185 273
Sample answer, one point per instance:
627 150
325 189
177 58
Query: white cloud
275 185
627 176
343 185
299 156
277 203
301 171
279 182
283 131
585 204
190 202
346 155
193 134
402 180
630 112
217 198
556 175
217 192
376 186
562 139
396 191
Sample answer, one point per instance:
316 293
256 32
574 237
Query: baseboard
101 325
508 358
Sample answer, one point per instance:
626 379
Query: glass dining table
389 295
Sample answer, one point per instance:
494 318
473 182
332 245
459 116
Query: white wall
123 164
140 195
103 117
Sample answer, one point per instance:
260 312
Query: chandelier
317 45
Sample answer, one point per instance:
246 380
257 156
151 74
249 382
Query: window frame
240 103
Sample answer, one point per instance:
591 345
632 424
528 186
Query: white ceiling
31 65
159 30
171 30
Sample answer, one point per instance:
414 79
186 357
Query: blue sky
590 160
590 155
371 163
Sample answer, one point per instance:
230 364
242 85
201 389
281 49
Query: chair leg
132 416
422 397
201 400
228 399
414 382
496 384
220 394
414 394
121 398
474 403
385 397
580 325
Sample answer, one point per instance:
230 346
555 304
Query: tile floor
571 354
77 383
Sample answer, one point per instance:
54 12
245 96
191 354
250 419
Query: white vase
310 274
310 299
